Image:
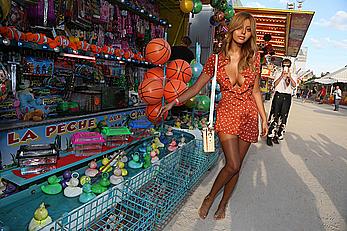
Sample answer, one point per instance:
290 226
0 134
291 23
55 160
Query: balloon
191 103
213 21
218 97
229 13
214 3
203 103
197 69
223 6
192 62
186 5
197 6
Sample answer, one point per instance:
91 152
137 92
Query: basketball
179 69
158 51
173 89
155 72
152 112
151 91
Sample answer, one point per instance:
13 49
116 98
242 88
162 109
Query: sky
326 38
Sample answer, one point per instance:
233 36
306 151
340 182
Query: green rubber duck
53 187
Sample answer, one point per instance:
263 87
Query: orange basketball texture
173 89
151 91
158 51
179 69
155 72
152 112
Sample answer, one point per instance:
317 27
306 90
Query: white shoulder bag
208 132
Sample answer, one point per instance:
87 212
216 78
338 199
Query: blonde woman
238 110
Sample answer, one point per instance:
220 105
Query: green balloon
215 3
203 103
229 13
223 6
197 6
191 103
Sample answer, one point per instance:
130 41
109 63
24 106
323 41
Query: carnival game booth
280 33
80 149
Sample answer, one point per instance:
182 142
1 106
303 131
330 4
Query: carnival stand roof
286 27
337 76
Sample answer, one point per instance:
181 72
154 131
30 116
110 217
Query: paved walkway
298 185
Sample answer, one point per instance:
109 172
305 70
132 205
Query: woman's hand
166 108
264 128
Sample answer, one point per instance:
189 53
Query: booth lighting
79 56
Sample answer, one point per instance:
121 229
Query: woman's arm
259 102
188 94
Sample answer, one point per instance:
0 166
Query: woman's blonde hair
249 48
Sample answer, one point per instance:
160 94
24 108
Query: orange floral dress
237 112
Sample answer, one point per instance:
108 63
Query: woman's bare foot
205 207
220 213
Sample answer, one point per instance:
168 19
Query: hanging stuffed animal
5 86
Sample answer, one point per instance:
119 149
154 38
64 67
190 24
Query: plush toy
31 108
5 83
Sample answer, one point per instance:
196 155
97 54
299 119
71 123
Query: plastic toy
40 219
66 178
2 186
143 148
158 143
163 139
169 132
172 146
154 156
84 180
106 166
87 194
53 187
117 178
182 141
135 162
147 161
10 188
102 185
72 190
92 170
178 123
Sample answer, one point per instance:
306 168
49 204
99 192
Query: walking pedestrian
284 83
238 73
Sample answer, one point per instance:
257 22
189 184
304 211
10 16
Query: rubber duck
169 131
106 167
143 148
92 170
87 194
53 187
66 178
155 148
84 179
182 141
135 162
117 178
102 185
178 123
172 146
10 188
154 157
72 190
40 219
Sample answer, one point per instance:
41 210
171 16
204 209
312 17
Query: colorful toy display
106 166
40 219
53 187
135 163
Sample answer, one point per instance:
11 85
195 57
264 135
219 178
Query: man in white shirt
284 83
337 97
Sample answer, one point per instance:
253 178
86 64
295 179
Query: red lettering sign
12 138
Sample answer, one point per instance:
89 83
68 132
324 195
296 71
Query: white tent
325 80
339 75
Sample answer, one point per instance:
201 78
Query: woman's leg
230 145
229 187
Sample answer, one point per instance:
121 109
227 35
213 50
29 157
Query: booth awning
325 80
339 75
286 27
